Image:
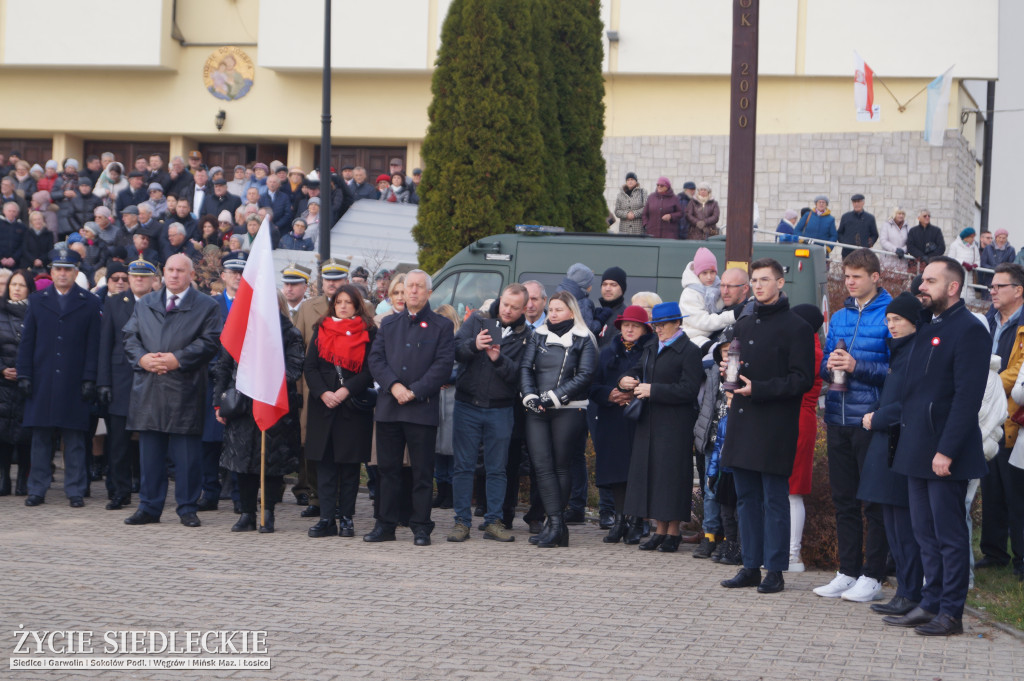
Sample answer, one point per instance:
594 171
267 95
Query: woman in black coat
612 432
879 484
555 375
668 379
242 437
15 441
339 430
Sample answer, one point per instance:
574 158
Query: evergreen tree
576 56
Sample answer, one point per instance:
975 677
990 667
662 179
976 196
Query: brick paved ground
342 609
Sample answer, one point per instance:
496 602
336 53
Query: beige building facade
141 75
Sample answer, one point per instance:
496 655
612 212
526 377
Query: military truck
480 271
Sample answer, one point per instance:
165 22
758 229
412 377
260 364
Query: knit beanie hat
1000 231
616 274
812 315
966 232
704 260
906 306
581 274
790 214
631 176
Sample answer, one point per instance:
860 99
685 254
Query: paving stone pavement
343 609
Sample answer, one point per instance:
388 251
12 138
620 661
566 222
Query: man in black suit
279 202
114 380
198 193
132 195
221 199
940 447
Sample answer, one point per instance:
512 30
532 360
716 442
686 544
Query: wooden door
374 159
124 151
227 156
32 150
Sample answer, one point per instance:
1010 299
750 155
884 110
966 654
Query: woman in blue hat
667 378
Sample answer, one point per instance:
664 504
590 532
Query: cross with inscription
742 134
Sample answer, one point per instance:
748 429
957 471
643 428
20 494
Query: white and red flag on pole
864 90
252 335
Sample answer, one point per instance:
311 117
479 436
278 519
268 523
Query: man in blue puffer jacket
861 326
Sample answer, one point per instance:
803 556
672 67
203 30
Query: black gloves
546 402
602 315
533 404
25 386
88 391
105 395
900 253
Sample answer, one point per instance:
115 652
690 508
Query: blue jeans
762 504
476 430
712 511
444 467
76 480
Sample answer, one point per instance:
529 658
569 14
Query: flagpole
263 478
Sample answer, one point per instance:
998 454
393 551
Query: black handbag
364 401
234 404
635 409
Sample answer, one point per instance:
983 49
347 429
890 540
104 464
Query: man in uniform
115 380
56 365
170 339
295 282
333 274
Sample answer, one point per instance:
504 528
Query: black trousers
940 527
553 438
905 551
1002 509
847 447
392 439
515 459
337 485
249 491
119 457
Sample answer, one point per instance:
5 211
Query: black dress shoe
577 517
115 505
772 583
421 539
745 577
942 625
989 561
34 500
76 502
190 520
246 523
379 534
653 543
634 531
310 512
140 517
207 505
302 499
345 527
897 606
268 522
671 544
325 527
606 519
913 618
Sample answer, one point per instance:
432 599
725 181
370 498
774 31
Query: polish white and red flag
252 335
864 90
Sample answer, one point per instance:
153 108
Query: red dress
800 480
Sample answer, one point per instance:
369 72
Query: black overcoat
660 470
348 430
777 355
114 369
12 404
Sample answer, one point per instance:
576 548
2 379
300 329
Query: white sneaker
836 587
865 590
795 565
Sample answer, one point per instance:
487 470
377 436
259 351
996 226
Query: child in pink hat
701 300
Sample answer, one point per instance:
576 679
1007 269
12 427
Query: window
466 291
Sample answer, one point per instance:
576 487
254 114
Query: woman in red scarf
339 430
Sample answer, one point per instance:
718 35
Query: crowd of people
450 412
108 214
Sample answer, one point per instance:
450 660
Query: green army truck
480 271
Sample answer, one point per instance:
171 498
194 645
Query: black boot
635 531
543 534
268 522
617 531
653 543
671 544
558 536
246 523
21 482
5 479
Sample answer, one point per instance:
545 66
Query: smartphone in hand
493 328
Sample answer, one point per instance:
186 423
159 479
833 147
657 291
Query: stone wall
890 169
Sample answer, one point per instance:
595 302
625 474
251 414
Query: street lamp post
326 221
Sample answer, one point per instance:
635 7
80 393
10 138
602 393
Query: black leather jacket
549 366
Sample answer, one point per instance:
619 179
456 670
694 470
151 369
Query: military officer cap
296 274
64 258
333 270
142 268
233 261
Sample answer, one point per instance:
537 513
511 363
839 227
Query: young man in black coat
940 446
411 358
777 368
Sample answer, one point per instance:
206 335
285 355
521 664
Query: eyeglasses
996 287
119 278
731 285
662 185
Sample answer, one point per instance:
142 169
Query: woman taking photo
15 441
612 431
242 437
667 378
339 432
555 375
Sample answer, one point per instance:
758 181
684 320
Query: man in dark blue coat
940 445
57 374
411 358
115 380
279 202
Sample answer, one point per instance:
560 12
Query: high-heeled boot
617 531
634 532
653 543
559 536
543 534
